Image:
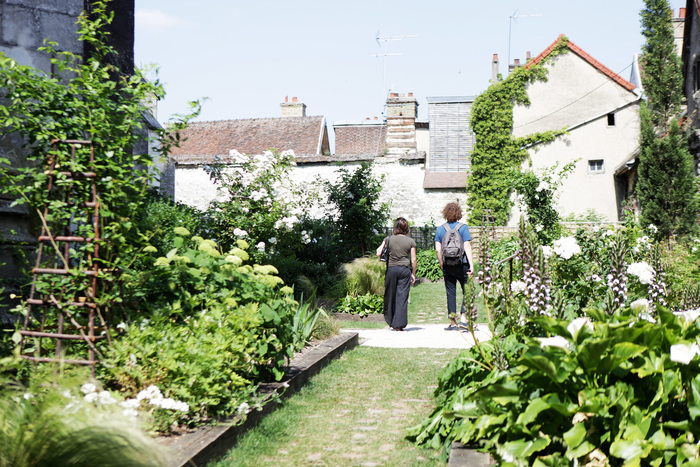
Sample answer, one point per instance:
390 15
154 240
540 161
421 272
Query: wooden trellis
62 303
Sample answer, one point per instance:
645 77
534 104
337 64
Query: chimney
494 69
293 109
401 113
681 13
528 57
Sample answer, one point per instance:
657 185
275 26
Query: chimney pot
495 57
528 55
394 94
681 13
410 94
375 118
294 99
286 98
516 62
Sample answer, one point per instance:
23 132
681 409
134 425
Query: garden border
208 443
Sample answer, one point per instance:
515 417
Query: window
611 119
595 166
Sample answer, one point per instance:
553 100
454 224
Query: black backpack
452 246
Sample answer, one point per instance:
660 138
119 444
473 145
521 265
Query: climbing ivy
497 153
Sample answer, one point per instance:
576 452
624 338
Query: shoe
463 325
398 329
451 327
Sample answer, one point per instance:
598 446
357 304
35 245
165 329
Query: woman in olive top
400 274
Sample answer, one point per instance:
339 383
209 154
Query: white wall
402 189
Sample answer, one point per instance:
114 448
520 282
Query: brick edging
212 442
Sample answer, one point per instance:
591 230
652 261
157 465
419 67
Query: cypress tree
666 184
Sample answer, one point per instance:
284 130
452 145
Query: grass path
355 412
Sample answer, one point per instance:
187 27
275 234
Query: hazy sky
246 56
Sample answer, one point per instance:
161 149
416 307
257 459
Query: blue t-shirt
463 230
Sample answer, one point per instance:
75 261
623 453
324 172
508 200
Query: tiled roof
360 139
584 55
303 135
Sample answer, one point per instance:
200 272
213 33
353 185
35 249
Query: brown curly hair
401 226
452 212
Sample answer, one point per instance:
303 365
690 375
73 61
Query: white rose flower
272 240
547 251
261 247
106 398
91 397
517 287
130 403
88 388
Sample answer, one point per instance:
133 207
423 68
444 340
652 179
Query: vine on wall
497 154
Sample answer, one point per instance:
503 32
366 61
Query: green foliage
214 327
497 154
304 322
428 265
663 77
361 217
362 305
666 185
362 276
539 197
613 389
49 423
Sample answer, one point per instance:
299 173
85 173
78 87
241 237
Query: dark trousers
397 285
452 276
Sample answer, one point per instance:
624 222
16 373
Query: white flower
123 326
640 305
105 398
653 228
239 232
261 247
151 392
647 317
130 413
575 325
642 270
542 186
517 287
88 388
596 278
27 396
91 397
130 403
167 403
547 251
688 316
684 353
243 408
566 247
556 341
272 240
181 406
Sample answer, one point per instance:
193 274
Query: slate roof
306 136
584 55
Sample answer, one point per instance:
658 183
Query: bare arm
414 264
379 250
438 252
468 251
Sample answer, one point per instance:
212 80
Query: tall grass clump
363 276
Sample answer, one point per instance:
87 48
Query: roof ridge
252 118
587 57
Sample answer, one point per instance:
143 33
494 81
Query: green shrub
428 265
213 328
362 305
326 327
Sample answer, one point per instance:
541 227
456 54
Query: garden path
422 335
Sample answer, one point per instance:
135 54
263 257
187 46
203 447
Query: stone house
600 112
691 75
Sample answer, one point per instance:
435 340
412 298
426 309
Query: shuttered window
451 138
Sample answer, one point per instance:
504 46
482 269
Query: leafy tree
666 185
360 216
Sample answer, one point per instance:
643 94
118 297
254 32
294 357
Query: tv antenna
514 17
382 42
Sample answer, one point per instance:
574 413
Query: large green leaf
523 449
532 411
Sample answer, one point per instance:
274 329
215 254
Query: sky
341 58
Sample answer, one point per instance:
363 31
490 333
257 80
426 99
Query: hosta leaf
542 364
532 411
575 436
522 449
